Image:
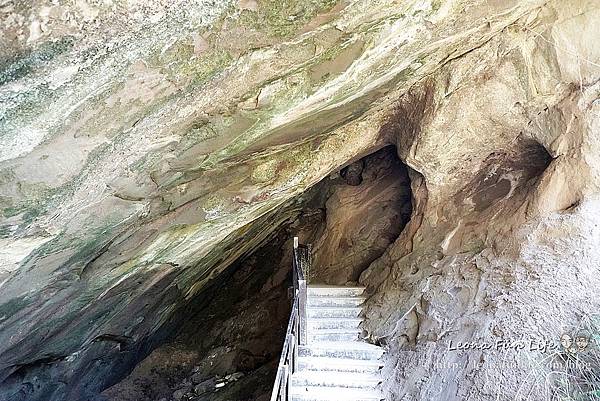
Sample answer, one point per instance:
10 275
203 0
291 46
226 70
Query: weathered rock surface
362 220
499 249
147 146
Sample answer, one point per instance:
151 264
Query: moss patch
25 64
265 172
180 63
281 18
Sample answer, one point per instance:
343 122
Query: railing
296 330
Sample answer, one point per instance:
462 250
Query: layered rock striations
146 147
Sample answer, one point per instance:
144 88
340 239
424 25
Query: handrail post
285 383
295 358
300 290
295 266
302 312
308 262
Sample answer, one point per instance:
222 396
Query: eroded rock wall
145 147
500 250
362 219
230 342
229 345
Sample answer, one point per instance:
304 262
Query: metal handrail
301 261
296 331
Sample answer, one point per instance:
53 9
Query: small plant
572 373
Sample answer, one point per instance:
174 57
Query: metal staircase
324 357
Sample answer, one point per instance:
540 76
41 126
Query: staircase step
335 301
342 349
340 365
336 364
343 330
317 393
333 323
333 291
322 312
344 334
335 379
325 335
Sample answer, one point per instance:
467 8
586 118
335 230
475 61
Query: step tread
354 349
335 325
342 330
335 393
334 319
329 361
353 345
334 337
312 298
330 312
321 291
343 298
327 286
334 376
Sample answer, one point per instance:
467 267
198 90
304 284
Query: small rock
250 5
201 45
234 376
205 386
178 395
35 31
353 173
198 378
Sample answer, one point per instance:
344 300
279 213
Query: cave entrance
230 342
368 204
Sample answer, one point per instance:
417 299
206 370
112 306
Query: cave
350 218
430 167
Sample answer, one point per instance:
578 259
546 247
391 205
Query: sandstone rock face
362 219
147 146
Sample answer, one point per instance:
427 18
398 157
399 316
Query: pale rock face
145 146
516 263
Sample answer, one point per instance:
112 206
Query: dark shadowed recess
506 173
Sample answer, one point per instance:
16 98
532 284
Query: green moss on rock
25 64
181 63
281 18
